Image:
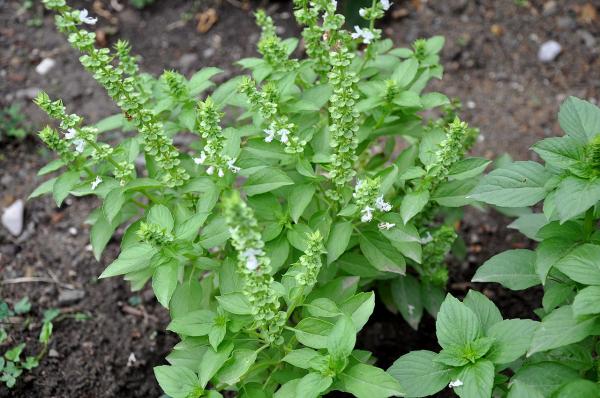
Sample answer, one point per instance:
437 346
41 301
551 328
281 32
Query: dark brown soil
491 64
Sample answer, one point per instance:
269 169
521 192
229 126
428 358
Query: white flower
386 4
411 309
386 226
362 12
382 204
270 135
231 165
366 35
83 17
201 159
250 256
283 135
334 3
221 173
79 145
210 171
367 214
70 134
455 383
96 182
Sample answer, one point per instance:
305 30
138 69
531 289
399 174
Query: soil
491 65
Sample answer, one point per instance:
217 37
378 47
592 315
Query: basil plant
557 357
296 190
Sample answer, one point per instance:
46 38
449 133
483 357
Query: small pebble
471 104
12 218
549 51
73 231
45 66
131 360
53 353
68 297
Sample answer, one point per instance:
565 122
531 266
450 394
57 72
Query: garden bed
491 61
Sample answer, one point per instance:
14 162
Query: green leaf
549 252
338 240
189 229
43 188
477 379
301 358
484 308
50 167
164 282
513 337
299 199
579 119
161 215
419 374
195 323
213 361
313 332
529 224
561 328
240 362
412 204
456 324
516 185
100 235
235 303
215 233
582 264
578 389
381 254
112 122
63 185
455 193
544 377
562 152
468 168
217 334
405 72
186 298
406 294
434 100
312 385
22 306
323 308
266 180
366 381
586 302
200 80
134 258
514 269
575 195
14 353
177 381
359 307
341 339
113 203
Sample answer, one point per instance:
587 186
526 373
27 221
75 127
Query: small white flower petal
455 383
221 173
83 17
70 134
362 12
96 182
210 171
386 4
79 145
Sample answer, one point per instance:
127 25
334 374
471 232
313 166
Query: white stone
45 66
549 51
12 218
